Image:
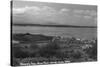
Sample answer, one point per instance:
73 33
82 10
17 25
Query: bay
83 33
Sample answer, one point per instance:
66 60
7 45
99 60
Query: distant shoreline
42 25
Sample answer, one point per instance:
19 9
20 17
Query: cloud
35 14
50 15
93 13
18 10
64 11
95 21
25 9
34 10
42 11
85 12
78 11
88 15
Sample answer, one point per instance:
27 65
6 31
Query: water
83 33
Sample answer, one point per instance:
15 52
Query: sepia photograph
52 33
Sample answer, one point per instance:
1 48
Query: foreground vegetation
33 49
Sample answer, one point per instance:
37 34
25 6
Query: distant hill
45 25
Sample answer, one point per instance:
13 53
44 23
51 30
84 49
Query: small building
86 46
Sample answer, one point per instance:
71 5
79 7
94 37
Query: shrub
18 53
49 50
92 52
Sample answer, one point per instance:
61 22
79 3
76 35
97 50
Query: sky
33 12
